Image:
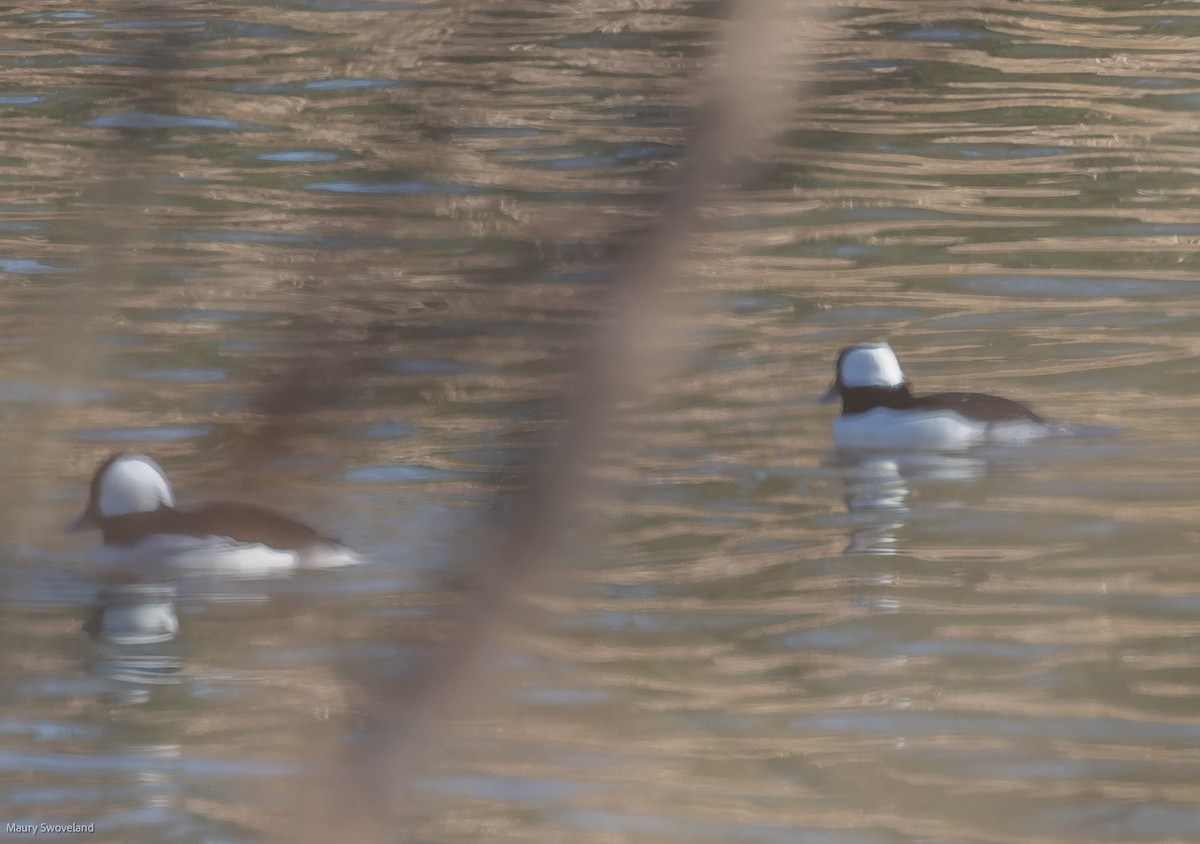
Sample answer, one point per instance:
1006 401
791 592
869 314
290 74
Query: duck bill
82 522
831 395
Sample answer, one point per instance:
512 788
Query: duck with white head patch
130 501
879 410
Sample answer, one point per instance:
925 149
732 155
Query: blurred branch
746 91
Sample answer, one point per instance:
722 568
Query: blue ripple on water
284 238
153 433
420 366
989 152
193 374
75 763
415 187
514 789
388 431
155 24
299 156
399 473
358 5
47 730
205 315
1075 286
28 267
942 34
675 828
345 84
22 392
154 120
1060 728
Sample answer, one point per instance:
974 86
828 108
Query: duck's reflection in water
134 614
128 619
878 490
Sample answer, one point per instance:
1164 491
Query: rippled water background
336 256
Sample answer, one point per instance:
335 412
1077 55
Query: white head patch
133 483
871 365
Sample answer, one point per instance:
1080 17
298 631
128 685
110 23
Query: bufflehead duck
880 411
131 503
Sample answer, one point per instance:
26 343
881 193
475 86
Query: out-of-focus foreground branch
746 89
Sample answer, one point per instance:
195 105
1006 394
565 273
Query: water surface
336 256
